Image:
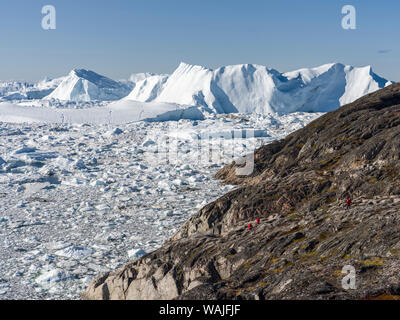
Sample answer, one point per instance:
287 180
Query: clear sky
120 37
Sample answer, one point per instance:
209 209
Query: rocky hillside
305 236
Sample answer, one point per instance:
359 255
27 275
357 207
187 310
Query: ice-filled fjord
96 172
80 199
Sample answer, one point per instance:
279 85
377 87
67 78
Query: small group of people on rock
250 226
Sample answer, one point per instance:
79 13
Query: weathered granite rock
306 235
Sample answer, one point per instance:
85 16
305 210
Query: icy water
79 200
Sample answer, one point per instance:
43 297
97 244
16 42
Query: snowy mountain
253 88
85 85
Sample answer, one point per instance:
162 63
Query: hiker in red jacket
348 203
250 226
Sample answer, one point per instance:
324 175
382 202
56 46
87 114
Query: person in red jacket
250 226
348 203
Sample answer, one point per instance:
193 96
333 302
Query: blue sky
120 37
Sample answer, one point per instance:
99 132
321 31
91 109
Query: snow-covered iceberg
118 112
191 92
85 85
251 88
148 88
23 90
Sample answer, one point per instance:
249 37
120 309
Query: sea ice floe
169 213
136 253
86 209
74 182
47 258
4 288
79 164
115 132
25 150
57 245
97 183
14 164
148 142
114 236
103 207
74 252
51 277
